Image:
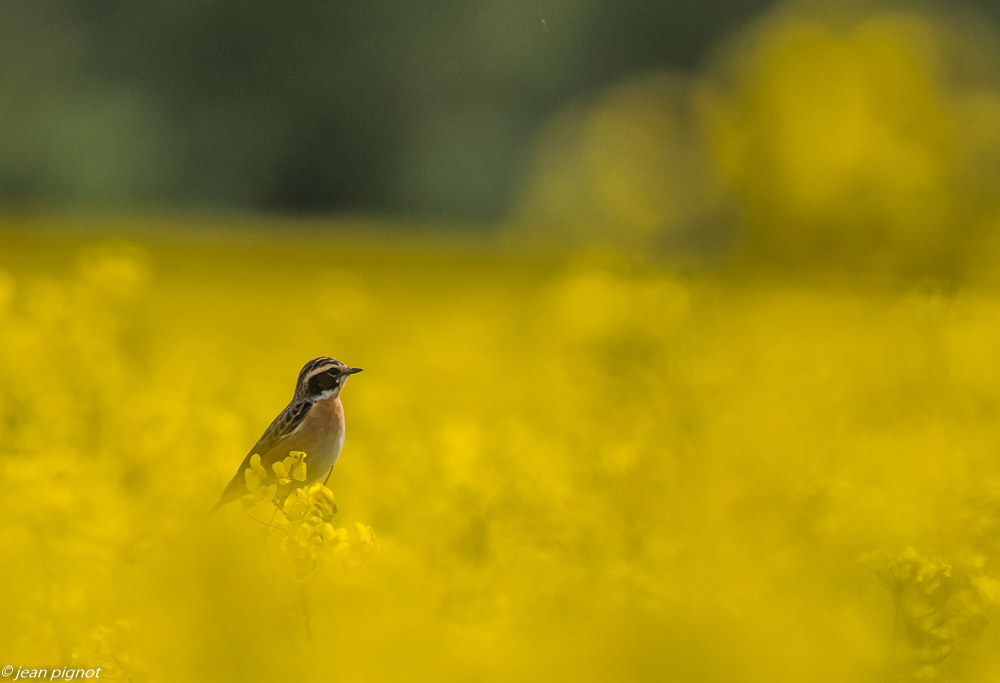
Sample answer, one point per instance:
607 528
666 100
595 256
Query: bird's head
322 378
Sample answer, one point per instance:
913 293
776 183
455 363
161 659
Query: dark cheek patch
321 383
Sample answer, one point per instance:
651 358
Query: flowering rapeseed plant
590 469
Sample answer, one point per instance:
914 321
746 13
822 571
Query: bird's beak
351 371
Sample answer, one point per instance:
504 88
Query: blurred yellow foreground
581 470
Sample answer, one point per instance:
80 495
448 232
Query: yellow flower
292 467
266 493
258 494
342 550
368 539
254 474
280 472
333 534
252 480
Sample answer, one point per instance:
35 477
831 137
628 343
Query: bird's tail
215 508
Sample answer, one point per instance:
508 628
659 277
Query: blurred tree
400 106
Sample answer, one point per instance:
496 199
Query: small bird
312 423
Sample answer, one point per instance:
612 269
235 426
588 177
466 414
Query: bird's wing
283 426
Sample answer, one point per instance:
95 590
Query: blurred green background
845 130
391 106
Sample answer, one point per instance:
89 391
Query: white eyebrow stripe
318 371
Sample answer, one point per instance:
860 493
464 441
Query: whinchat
312 423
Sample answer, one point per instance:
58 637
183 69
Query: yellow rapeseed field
574 469
573 455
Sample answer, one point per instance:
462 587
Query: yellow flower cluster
824 134
936 606
309 528
576 469
108 649
292 468
254 476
